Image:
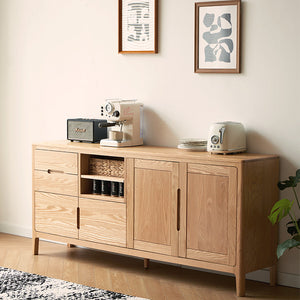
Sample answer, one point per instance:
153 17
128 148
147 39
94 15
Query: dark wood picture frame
214 57
153 34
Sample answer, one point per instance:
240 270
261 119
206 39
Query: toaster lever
221 130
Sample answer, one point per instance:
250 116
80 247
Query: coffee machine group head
124 122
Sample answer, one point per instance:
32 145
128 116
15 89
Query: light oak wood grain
56 214
152 152
59 183
152 247
183 209
152 206
211 213
106 178
56 161
260 192
103 222
175 210
138 253
129 189
154 165
187 208
155 206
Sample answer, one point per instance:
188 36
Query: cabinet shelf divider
100 177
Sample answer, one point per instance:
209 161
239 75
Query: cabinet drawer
55 182
103 222
56 214
64 162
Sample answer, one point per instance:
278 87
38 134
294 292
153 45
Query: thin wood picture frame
138 26
217 37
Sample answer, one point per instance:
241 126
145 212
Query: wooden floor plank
12 258
25 263
86 274
70 271
55 267
127 275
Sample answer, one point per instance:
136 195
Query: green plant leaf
280 209
291 182
288 244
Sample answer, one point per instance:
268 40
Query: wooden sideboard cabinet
189 208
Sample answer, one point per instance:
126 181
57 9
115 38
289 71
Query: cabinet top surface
150 152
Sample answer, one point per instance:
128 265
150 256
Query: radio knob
108 107
116 113
215 139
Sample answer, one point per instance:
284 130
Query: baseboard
16 230
285 279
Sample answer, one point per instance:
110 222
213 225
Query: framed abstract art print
138 26
217 37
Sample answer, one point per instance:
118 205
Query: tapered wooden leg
273 275
70 245
35 245
240 280
146 263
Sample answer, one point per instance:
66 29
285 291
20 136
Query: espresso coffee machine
124 122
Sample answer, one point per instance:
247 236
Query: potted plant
283 208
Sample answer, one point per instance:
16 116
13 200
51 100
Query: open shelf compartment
102 168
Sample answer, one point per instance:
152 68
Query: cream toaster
226 137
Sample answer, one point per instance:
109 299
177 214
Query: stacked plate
193 144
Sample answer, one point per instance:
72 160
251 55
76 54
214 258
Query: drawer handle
54 171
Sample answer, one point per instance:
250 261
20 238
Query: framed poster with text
138 26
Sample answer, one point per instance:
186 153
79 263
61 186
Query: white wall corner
16 230
285 279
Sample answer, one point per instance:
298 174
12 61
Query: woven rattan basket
106 167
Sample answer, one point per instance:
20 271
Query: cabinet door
211 213
102 222
155 206
56 214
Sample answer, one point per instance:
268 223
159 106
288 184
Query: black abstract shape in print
218 48
138 22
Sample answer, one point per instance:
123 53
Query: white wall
59 60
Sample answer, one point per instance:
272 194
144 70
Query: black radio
86 130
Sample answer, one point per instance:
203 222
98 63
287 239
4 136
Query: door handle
78 218
178 209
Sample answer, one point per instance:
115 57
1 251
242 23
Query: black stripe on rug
21 285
